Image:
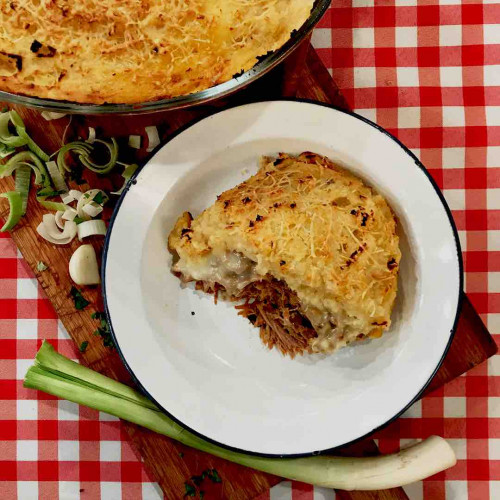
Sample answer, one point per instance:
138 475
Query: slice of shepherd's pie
306 248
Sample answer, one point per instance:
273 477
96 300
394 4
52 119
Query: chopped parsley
190 490
213 475
181 454
80 301
78 220
41 266
103 330
84 345
99 198
192 486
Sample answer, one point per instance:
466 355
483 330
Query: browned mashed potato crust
304 230
131 51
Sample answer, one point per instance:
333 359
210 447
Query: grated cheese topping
136 50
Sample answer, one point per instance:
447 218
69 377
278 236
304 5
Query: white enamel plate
205 365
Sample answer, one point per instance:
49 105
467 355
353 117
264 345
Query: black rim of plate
452 331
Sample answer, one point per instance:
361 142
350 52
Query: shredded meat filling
273 308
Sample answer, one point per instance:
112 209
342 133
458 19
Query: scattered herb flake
103 330
202 494
213 475
41 266
190 490
80 301
181 454
78 220
84 345
99 198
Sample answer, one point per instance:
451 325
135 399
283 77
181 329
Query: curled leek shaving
6 150
49 231
96 197
16 209
6 136
56 176
23 177
83 150
127 173
113 155
22 134
91 228
79 148
26 158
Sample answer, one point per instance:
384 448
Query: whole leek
61 377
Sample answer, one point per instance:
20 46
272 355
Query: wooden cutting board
169 463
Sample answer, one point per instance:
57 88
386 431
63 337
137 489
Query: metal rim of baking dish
203 96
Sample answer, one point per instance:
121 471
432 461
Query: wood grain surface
168 462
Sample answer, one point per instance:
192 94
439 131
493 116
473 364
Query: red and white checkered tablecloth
429 72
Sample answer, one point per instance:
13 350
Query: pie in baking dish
309 252
128 51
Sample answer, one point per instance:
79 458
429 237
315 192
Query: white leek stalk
67 198
91 137
58 217
52 115
91 228
134 141
75 194
89 197
69 214
153 138
49 231
61 377
56 176
92 209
